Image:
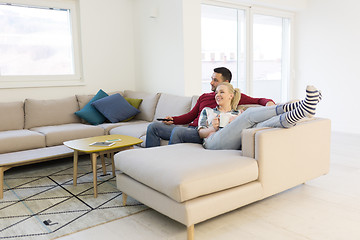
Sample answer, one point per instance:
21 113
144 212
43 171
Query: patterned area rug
40 201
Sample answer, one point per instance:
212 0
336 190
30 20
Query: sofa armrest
289 157
248 141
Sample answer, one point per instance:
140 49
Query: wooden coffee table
83 146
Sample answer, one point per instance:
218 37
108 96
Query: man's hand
169 122
270 103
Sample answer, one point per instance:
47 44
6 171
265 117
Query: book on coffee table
102 144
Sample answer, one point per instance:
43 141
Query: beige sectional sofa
34 130
191 184
185 181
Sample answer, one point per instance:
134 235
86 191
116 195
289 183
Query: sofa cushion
18 140
50 112
148 105
89 113
135 129
172 105
108 126
169 170
194 100
84 99
115 108
56 135
11 116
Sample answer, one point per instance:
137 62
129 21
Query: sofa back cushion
11 116
50 112
172 105
85 98
194 100
147 106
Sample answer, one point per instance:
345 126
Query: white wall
192 46
123 48
107 50
167 55
328 50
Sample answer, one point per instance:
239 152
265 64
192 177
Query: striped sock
305 108
292 105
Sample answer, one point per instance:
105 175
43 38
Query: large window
39 44
254 44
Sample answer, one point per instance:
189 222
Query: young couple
223 102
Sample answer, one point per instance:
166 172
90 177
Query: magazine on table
102 144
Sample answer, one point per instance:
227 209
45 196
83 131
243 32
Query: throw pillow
115 108
89 113
135 103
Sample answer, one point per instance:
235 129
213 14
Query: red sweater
208 100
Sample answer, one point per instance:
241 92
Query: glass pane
241 74
35 41
219 42
268 46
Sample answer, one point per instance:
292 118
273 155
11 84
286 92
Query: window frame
250 11
25 81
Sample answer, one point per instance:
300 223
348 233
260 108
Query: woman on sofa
221 127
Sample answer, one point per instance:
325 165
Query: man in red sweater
168 130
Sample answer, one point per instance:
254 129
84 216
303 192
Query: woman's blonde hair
237 94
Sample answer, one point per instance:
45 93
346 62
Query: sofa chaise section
180 182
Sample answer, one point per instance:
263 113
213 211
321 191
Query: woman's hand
206 132
216 122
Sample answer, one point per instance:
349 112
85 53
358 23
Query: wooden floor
327 208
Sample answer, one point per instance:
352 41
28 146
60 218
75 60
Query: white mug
223 120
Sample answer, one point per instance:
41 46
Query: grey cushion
18 140
172 105
148 105
137 129
194 100
11 116
181 177
108 126
56 135
50 112
84 99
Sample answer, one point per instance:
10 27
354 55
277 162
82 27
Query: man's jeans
175 134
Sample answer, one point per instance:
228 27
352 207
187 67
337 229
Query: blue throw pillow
89 113
115 108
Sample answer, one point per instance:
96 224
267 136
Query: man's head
221 74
